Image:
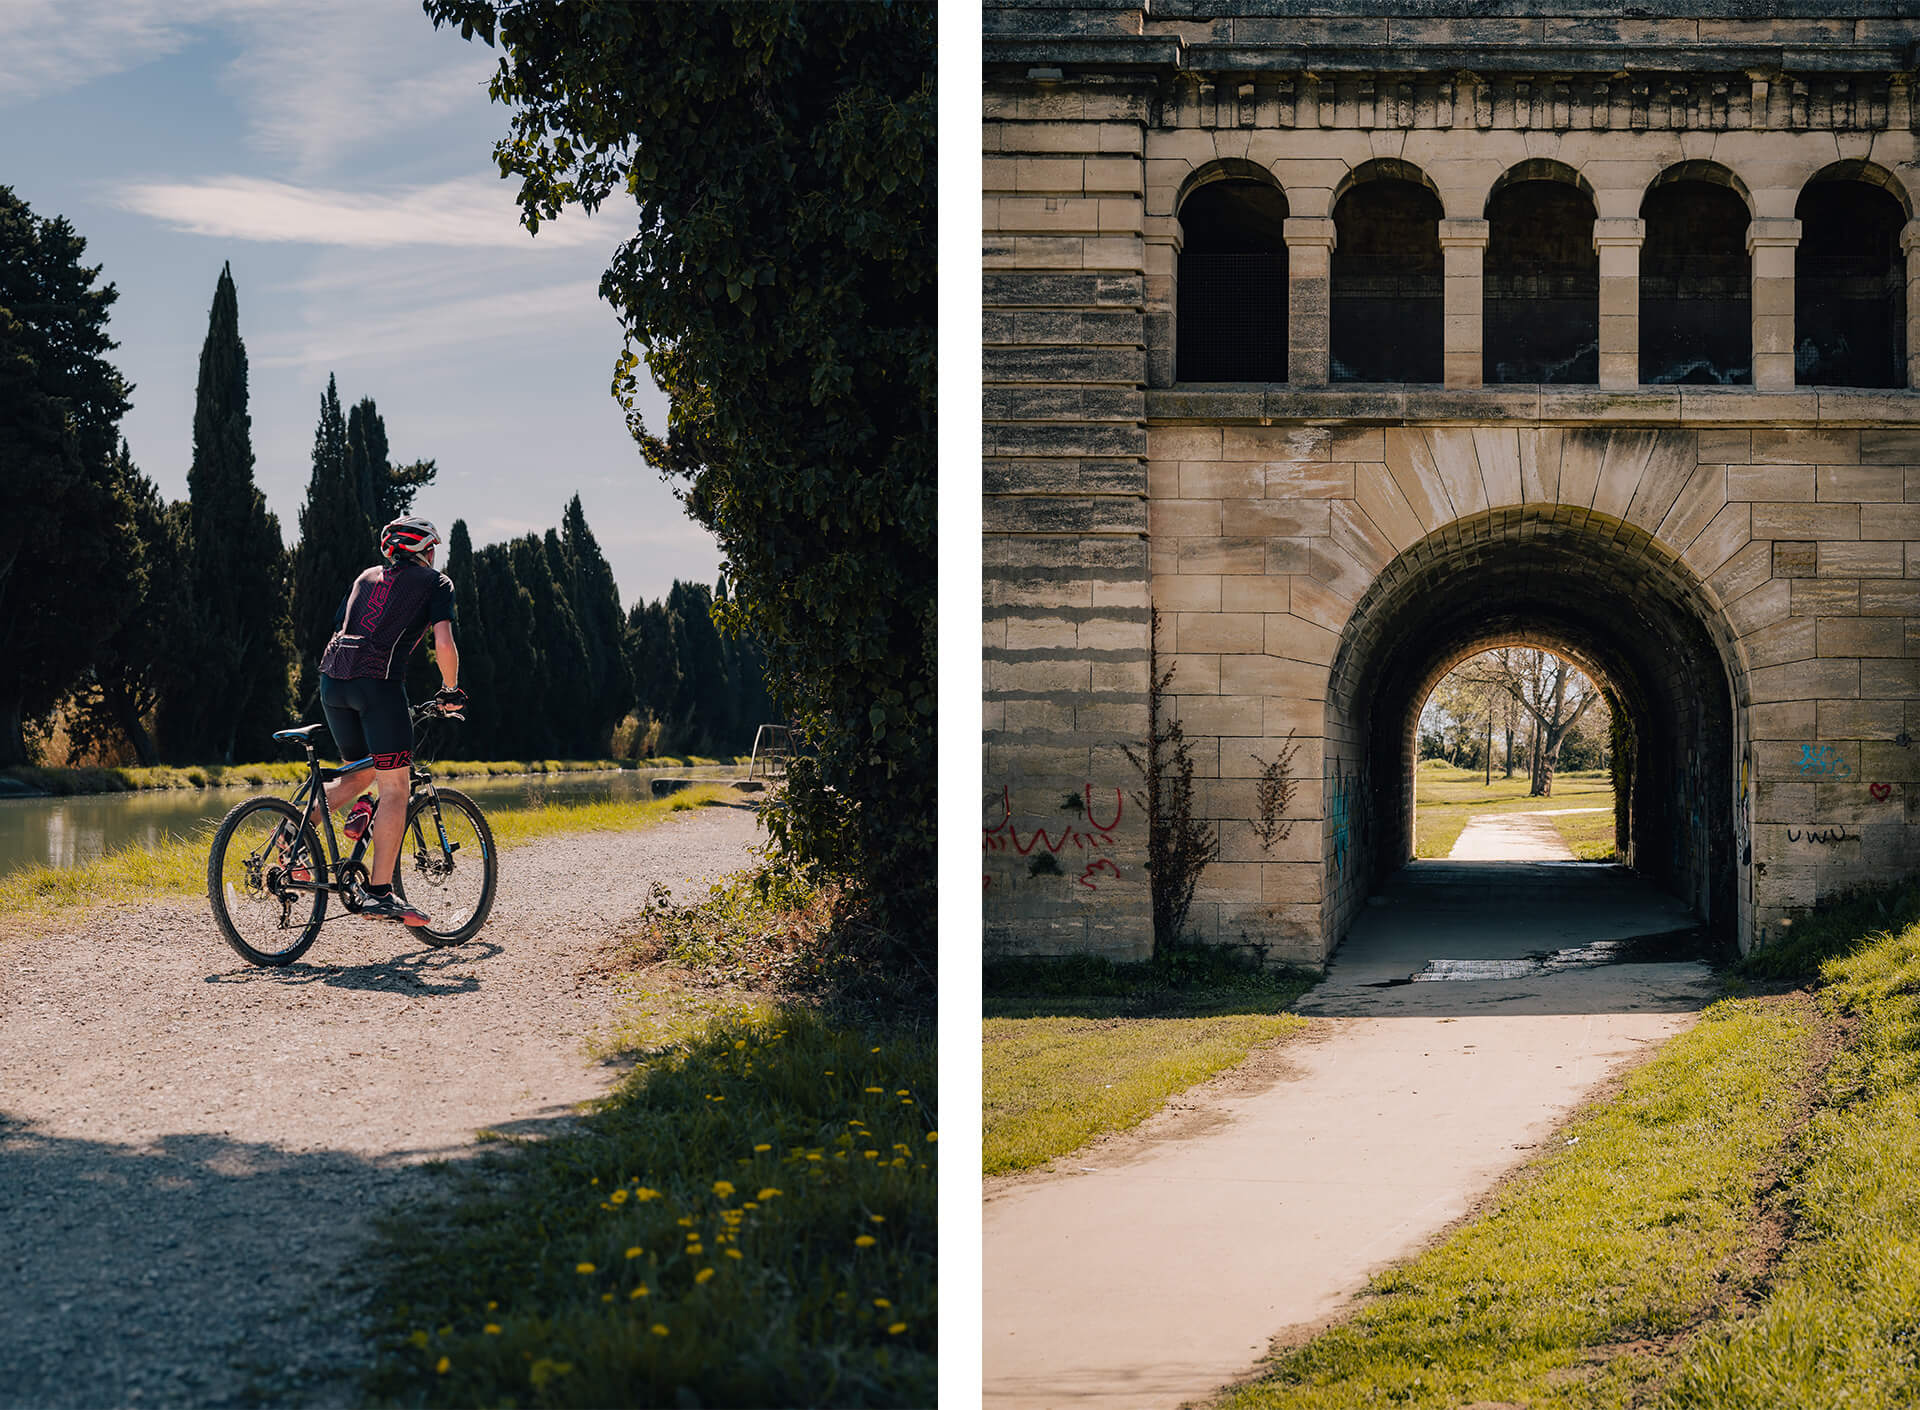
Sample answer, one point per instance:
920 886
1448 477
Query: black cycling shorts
369 720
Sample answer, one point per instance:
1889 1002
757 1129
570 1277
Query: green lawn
288 772
1445 797
749 1218
1075 1049
1738 1229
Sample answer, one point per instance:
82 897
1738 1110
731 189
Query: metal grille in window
1233 318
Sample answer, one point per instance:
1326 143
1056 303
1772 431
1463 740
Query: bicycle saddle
299 734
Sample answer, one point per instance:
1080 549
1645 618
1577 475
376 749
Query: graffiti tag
1095 836
1826 837
1880 791
1820 761
1338 808
1104 865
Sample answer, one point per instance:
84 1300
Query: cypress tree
68 549
656 671
386 491
475 643
595 599
520 665
701 704
541 568
336 543
241 636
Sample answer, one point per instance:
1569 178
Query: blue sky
339 154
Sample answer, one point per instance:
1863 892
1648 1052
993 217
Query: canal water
65 832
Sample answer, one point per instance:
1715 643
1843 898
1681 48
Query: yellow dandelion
878 1218
695 1250
763 1146
897 1328
492 1306
751 1204
619 1196
869 1154
704 1275
767 1193
882 1303
595 1180
659 1329
443 1365
634 1252
876 1089
829 1072
492 1329
933 1135
419 1339
583 1267
643 1194
740 1044
734 1253
606 1297
638 1292
865 1241
874 1050
723 1188
815 1155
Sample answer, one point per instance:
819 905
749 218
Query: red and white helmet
410 534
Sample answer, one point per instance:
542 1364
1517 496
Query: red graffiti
1105 864
1880 791
1097 836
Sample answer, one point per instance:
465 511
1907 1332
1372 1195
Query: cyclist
386 612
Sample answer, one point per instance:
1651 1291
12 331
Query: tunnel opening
1542 280
1232 284
1593 590
1850 283
1696 281
1386 295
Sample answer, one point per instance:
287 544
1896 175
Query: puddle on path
1663 947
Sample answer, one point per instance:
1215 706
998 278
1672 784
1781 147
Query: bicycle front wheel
447 866
259 847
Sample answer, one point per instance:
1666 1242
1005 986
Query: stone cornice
1393 405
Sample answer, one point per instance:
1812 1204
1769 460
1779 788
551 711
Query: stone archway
1599 590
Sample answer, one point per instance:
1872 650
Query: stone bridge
1355 342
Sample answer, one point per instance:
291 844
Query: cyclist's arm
446 655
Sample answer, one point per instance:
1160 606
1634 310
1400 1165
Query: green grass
1631 1230
1446 797
1589 836
68 782
748 1220
1073 1049
35 896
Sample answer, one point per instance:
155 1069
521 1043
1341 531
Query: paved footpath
1157 1267
1515 837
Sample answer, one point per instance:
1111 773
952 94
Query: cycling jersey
385 614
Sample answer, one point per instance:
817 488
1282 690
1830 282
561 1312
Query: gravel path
191 1149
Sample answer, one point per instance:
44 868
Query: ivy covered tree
241 638
336 543
68 547
780 286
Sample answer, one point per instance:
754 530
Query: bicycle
266 861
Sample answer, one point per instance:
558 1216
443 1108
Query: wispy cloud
468 211
371 341
48 46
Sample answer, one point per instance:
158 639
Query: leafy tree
241 636
595 599
139 660
386 490
68 547
780 284
336 542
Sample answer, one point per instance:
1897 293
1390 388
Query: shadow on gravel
425 972
181 1273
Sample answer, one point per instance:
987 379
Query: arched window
1232 323
1387 303
1849 285
1542 283
1696 284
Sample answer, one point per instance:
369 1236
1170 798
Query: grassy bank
749 1219
1738 1229
1446 797
34 896
63 783
1073 1049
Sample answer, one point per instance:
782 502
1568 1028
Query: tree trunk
126 713
13 739
1533 769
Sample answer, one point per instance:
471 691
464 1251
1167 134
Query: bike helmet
410 534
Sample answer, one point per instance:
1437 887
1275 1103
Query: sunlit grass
1589 836
289 772
36 896
1446 797
1074 1049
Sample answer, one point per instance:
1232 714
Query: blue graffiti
1821 761
1337 814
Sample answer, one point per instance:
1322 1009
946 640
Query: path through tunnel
1594 590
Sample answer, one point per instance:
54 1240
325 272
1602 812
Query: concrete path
1159 1268
1514 837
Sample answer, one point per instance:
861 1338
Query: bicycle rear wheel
258 847
447 866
